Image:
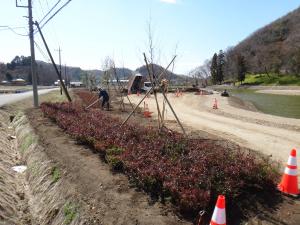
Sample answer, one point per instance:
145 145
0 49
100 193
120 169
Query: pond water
280 105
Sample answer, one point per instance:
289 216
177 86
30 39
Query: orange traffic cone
219 215
215 105
147 113
289 181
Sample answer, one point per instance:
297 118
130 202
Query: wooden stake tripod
154 87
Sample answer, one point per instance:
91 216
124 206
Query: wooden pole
167 100
118 90
147 92
53 63
165 89
154 91
93 103
121 90
92 98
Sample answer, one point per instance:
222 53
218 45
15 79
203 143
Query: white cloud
170 1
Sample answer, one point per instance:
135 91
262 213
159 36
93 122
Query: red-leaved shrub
190 172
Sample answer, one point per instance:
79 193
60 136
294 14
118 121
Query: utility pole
59 55
33 63
66 77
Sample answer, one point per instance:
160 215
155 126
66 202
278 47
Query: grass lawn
271 79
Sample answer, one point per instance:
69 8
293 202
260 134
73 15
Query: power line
49 11
54 35
13 30
41 6
40 9
47 4
56 13
41 51
36 12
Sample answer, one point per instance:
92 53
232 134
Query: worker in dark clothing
105 98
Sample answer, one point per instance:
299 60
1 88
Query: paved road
9 98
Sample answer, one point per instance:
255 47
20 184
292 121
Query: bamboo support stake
147 92
178 121
92 98
154 91
165 89
121 89
92 104
122 105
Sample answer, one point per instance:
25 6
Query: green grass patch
113 158
33 168
54 96
70 212
29 139
19 115
271 79
55 174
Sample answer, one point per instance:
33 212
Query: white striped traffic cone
219 215
289 181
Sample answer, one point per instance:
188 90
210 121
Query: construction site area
164 155
154 145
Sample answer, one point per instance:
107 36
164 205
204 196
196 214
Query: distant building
122 82
75 84
5 82
18 82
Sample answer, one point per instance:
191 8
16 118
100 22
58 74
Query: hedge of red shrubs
189 172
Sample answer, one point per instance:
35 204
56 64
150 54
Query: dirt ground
234 121
108 198
241 123
271 135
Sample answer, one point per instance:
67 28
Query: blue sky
89 30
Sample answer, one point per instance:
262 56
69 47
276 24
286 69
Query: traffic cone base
215 105
147 113
219 215
289 181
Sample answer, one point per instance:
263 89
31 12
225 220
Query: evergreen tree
241 68
220 66
214 69
8 76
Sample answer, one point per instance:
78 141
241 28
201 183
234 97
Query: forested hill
273 48
20 67
158 70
